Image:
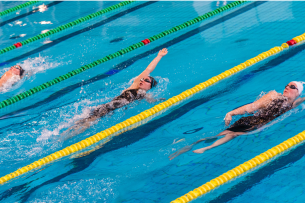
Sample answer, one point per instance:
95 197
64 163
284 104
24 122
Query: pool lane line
256 161
86 29
65 26
28 13
144 116
45 85
21 6
123 65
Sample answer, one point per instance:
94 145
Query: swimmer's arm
298 102
250 108
3 79
150 68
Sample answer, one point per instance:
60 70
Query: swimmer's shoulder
273 94
264 100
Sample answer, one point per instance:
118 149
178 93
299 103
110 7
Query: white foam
45 22
68 121
38 64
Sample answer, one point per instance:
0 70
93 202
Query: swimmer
14 72
264 110
136 91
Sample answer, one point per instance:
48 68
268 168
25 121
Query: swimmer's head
17 70
293 90
147 83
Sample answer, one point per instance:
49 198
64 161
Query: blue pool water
134 166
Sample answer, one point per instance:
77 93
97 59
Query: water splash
38 64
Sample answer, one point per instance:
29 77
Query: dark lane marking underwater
117 39
62 39
28 13
132 60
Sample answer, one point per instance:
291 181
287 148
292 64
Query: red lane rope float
146 41
18 44
291 42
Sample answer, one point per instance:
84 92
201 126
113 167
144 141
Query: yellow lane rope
148 114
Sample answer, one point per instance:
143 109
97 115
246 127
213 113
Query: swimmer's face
15 70
145 83
291 91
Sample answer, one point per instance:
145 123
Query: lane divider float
16 8
258 160
135 46
65 26
148 114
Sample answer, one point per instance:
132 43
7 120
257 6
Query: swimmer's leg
189 147
83 124
229 136
79 127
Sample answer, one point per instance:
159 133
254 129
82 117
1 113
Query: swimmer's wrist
230 113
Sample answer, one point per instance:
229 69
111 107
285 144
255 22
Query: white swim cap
299 86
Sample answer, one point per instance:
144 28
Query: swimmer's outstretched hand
162 52
228 118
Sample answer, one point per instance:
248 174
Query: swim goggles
146 80
152 82
291 87
17 67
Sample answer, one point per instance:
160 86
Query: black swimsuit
125 98
274 109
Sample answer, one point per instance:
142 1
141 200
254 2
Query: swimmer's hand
162 52
228 118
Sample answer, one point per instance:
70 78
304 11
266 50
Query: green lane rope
10 10
65 26
45 85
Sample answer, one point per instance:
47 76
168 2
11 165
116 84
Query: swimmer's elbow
250 108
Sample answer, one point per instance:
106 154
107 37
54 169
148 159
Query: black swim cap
153 82
21 71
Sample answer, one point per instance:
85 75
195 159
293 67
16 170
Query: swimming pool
134 166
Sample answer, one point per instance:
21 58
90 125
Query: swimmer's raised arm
150 68
250 108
